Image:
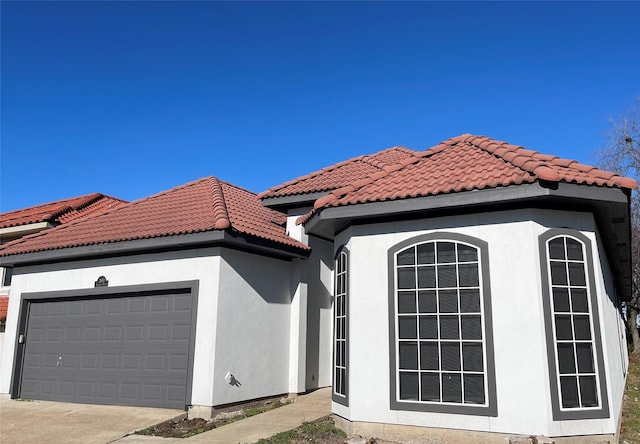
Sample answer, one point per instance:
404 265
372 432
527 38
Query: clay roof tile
546 173
465 163
202 205
341 174
4 307
583 167
61 211
564 163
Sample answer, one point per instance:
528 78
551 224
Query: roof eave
610 207
293 200
156 244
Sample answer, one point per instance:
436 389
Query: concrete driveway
61 422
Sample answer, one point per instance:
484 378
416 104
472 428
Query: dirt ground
322 431
183 427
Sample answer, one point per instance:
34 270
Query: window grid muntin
340 327
573 342
441 372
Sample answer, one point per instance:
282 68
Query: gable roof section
341 174
466 163
61 211
203 205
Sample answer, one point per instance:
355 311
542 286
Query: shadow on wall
319 278
268 277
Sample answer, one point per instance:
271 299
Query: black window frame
559 413
7 274
490 407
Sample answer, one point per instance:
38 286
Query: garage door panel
37 334
113 333
110 361
91 334
129 392
37 310
75 309
53 334
182 303
72 334
67 388
155 362
116 306
158 332
89 362
55 310
49 360
152 392
178 362
138 305
94 307
48 386
180 332
86 389
130 350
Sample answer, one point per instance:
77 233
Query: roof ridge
90 199
95 204
57 212
85 201
220 212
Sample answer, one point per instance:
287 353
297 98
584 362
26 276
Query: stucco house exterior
18 223
469 290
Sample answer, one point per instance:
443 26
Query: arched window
340 329
441 341
573 334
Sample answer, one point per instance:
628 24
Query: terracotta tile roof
4 306
203 205
342 173
61 211
466 163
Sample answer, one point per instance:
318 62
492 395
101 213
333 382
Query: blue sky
133 98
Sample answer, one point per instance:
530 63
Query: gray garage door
124 350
